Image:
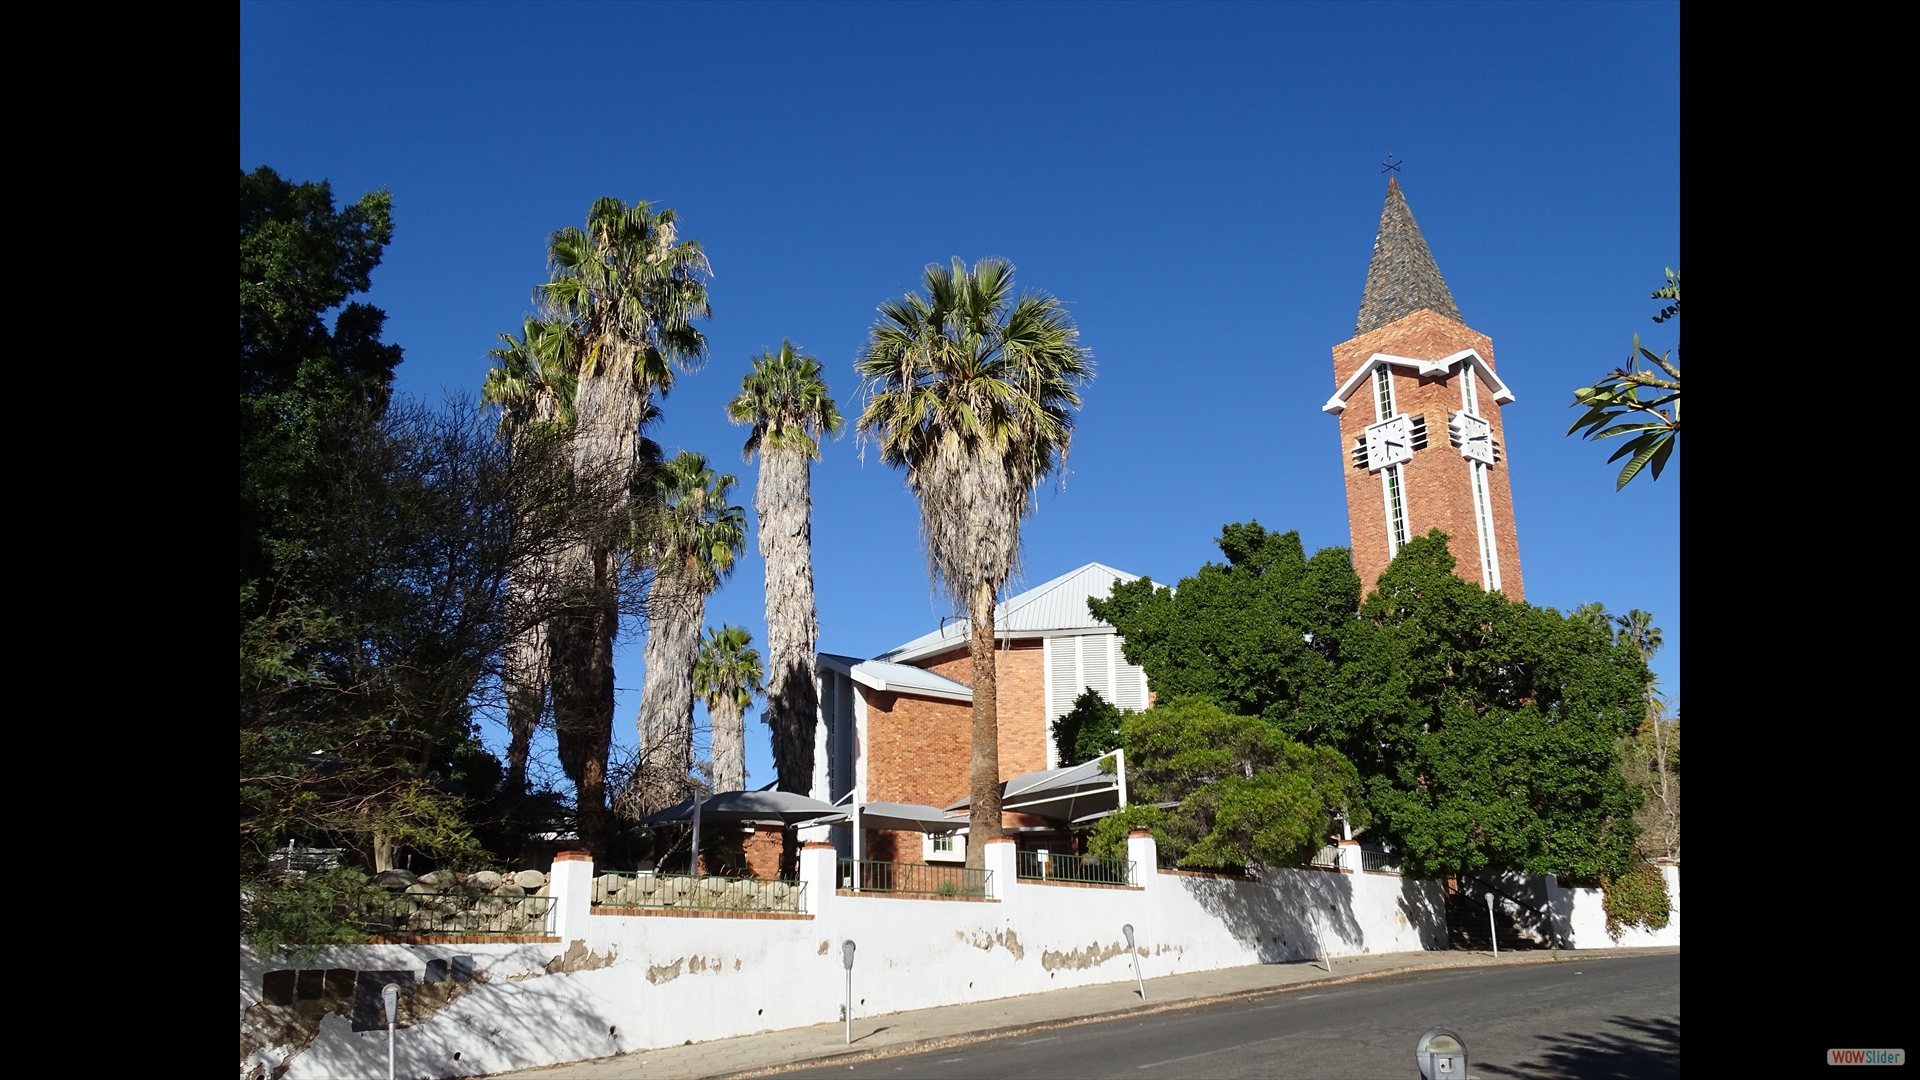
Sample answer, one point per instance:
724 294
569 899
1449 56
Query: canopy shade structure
1078 793
906 817
783 807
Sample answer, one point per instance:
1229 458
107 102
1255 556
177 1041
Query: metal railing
1087 869
685 892
1326 856
1385 862
456 913
917 879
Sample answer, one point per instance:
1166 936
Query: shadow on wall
1526 915
1641 1049
1423 904
339 1008
1286 915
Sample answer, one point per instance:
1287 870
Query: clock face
1389 442
1476 439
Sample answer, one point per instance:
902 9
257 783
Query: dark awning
783 807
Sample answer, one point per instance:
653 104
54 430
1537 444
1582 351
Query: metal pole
694 869
1491 932
1120 770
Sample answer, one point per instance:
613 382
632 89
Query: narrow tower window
1482 501
1390 480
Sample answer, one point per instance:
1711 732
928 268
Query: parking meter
846 958
1133 951
1441 1054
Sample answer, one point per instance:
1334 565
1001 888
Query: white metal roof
898 678
1051 607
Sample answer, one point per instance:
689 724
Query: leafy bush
1240 790
1636 898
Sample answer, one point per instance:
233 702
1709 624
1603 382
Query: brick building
899 727
1419 407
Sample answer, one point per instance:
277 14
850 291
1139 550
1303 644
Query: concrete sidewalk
923 1029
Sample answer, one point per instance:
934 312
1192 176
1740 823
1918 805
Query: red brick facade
1438 481
920 750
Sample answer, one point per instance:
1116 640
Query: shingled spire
1402 278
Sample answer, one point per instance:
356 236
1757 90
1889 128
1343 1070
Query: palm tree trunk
524 673
983 818
580 643
784 501
676 610
729 744
785 509
1670 840
608 406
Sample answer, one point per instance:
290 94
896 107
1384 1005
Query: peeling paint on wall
1081 959
1006 939
577 958
664 973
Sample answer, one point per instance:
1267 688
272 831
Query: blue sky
1201 183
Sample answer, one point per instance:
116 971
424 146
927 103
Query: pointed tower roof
1402 278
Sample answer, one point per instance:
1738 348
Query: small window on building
943 844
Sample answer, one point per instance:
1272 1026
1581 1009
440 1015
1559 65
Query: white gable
1057 606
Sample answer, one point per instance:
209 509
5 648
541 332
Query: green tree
692 538
301 379
1484 730
786 404
1243 792
1091 728
1259 634
972 392
629 290
1637 401
727 676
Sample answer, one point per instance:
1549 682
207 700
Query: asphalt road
1587 1019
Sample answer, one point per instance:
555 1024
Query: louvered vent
1420 432
1360 452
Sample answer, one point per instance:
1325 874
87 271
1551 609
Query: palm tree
532 382
692 539
785 400
972 392
727 676
629 291
1637 630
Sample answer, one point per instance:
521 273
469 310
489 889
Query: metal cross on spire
1390 163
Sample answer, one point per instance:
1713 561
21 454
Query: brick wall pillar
1350 857
571 886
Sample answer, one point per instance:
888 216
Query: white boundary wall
610 983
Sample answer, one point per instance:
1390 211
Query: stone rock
440 878
529 879
394 879
485 881
421 888
509 889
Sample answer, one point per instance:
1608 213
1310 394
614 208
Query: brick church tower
1419 408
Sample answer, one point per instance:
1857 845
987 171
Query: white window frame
957 853
1117 668
1482 490
1393 487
